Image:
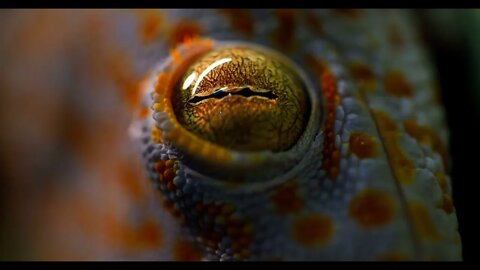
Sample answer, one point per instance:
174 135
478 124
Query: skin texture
364 177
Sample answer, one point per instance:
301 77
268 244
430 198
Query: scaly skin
375 172
367 181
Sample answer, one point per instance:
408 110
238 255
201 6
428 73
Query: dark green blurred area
473 38
453 40
455 37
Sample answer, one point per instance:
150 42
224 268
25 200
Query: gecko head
235 106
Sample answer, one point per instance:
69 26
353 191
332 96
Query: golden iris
242 98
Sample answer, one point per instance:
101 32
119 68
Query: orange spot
240 20
312 231
422 222
402 167
124 77
285 200
425 135
147 235
182 31
186 251
364 75
446 204
362 145
285 31
150 26
393 256
372 208
396 84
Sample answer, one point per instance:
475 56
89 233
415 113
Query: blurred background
71 182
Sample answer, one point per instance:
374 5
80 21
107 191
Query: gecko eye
233 104
243 99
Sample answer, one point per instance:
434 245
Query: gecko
261 135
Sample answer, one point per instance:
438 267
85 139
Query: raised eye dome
243 99
235 109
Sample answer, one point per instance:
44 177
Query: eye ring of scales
372 169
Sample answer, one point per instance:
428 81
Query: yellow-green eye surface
243 99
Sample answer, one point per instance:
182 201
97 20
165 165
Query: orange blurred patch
286 200
396 84
130 179
364 74
143 236
372 208
312 230
362 145
186 251
150 26
183 31
144 112
147 235
130 85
